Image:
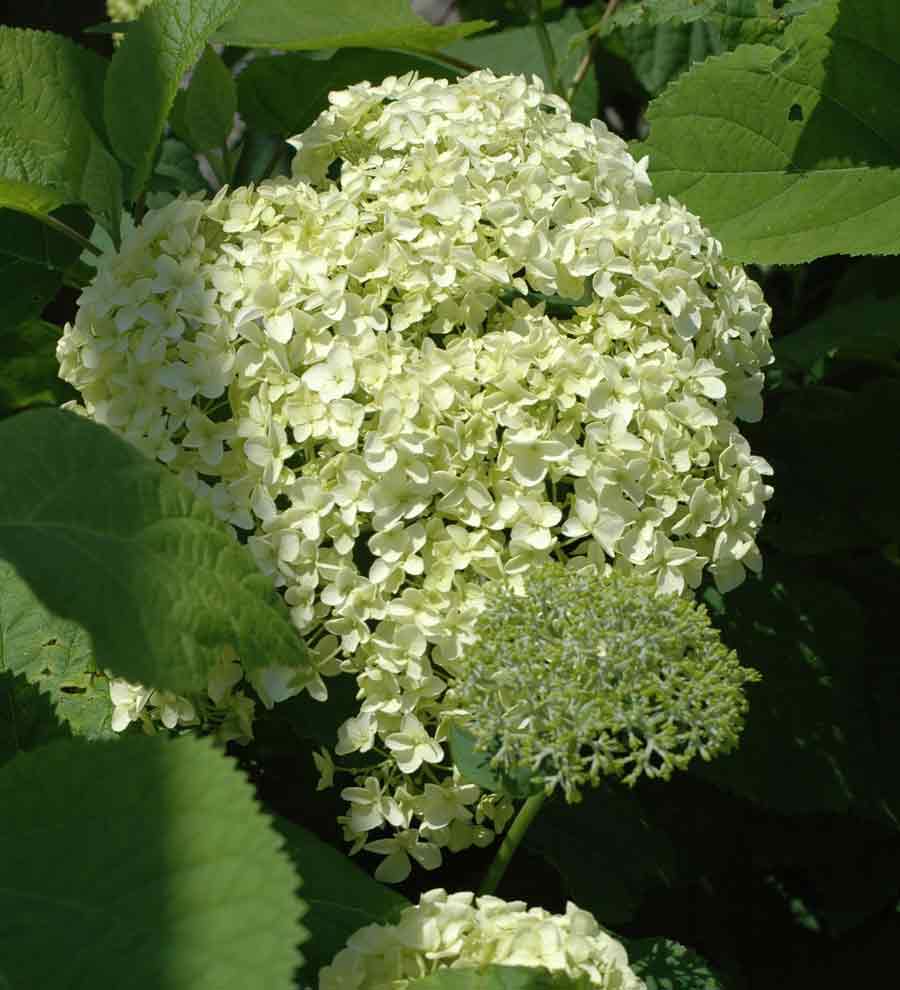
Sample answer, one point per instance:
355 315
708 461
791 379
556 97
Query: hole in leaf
72 689
796 112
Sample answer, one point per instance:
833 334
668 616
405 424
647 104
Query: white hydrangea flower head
464 338
461 931
125 10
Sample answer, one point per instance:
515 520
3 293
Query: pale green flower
129 701
172 710
370 808
398 851
412 745
581 677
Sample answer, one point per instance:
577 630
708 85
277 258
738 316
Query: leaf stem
64 228
457 63
512 839
546 44
588 59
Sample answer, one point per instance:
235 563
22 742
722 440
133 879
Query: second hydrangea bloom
462 339
460 931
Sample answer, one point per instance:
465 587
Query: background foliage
778 124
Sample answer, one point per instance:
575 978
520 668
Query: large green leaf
867 328
54 655
27 718
659 53
50 149
517 50
146 861
836 478
499 978
807 743
665 965
29 239
176 170
341 897
475 766
25 289
283 94
790 153
115 542
208 105
29 371
607 850
145 71
338 24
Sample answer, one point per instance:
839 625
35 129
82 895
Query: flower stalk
511 842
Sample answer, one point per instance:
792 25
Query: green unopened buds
583 677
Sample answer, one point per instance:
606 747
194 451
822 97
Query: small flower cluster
583 677
120 11
462 932
225 709
464 338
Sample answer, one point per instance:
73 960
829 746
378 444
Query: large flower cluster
458 931
462 339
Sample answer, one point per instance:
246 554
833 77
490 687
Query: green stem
457 63
588 59
64 228
543 36
511 841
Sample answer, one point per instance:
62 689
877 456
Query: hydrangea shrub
463 339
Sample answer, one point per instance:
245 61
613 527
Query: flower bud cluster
462 932
584 677
463 338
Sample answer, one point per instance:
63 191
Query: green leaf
145 71
54 655
606 849
517 50
659 53
789 153
25 289
145 857
115 542
807 743
504 12
283 94
338 24
210 103
475 766
824 444
27 718
176 170
341 897
29 371
867 328
51 151
666 965
29 239
499 978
